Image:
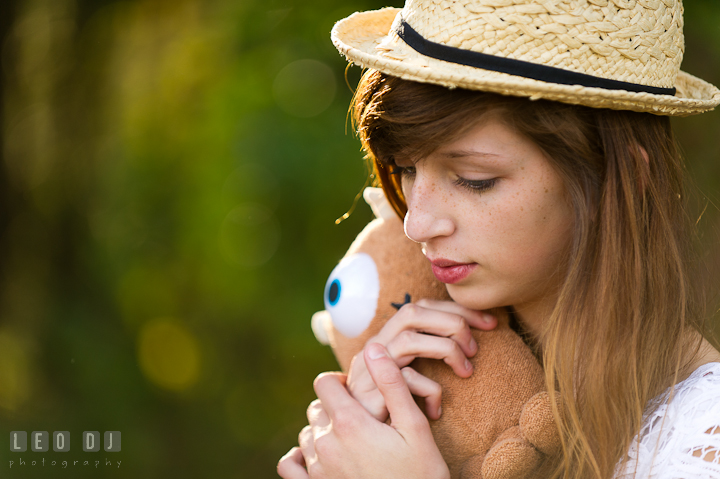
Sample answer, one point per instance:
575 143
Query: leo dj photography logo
40 442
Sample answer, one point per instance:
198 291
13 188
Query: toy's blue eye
351 294
334 292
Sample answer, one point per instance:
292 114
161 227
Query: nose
427 215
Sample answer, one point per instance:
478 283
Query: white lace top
681 439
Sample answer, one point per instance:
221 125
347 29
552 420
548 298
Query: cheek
530 229
406 187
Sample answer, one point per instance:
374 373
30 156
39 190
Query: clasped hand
347 436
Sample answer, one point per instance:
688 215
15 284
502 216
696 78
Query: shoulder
698 396
681 434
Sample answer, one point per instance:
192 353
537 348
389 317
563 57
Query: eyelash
477 186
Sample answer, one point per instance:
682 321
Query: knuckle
319 379
376 405
400 344
453 349
424 302
282 466
418 423
323 447
343 422
314 470
391 379
313 409
436 389
325 377
304 434
459 323
409 373
406 338
409 309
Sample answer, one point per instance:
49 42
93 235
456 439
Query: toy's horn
375 197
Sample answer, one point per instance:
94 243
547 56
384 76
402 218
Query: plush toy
495 424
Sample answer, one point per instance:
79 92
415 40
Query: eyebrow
452 154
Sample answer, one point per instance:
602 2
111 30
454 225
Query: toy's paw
321 323
511 457
538 425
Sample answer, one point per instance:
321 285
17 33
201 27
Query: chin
474 297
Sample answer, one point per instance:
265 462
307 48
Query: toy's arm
321 323
521 451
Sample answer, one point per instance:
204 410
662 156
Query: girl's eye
403 171
478 186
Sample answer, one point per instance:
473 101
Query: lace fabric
680 438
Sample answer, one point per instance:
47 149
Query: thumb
404 412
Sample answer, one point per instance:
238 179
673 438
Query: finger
358 379
404 412
330 389
292 465
412 317
484 320
374 403
424 387
410 345
306 441
316 414
318 419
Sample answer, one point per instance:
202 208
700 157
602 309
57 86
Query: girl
545 180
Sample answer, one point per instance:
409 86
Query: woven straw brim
363 38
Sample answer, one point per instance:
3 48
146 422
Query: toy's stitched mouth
400 305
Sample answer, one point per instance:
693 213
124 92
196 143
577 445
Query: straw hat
619 54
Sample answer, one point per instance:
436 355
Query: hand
343 441
426 329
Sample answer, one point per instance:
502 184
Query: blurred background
170 176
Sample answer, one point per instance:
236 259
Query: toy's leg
511 457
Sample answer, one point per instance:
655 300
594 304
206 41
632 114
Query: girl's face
493 217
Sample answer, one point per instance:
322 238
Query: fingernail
473 346
487 318
468 366
439 411
375 351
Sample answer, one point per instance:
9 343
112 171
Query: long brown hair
620 331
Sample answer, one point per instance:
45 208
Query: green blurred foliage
171 175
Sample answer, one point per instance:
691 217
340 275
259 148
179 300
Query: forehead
416 136
418 141
488 142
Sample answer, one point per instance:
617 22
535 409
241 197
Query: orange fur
496 424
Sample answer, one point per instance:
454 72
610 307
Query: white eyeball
351 294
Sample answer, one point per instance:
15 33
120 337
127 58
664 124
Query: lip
450 272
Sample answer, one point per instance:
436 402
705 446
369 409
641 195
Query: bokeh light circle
169 354
305 88
14 372
253 182
249 235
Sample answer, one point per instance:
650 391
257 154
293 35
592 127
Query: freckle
546 190
521 209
